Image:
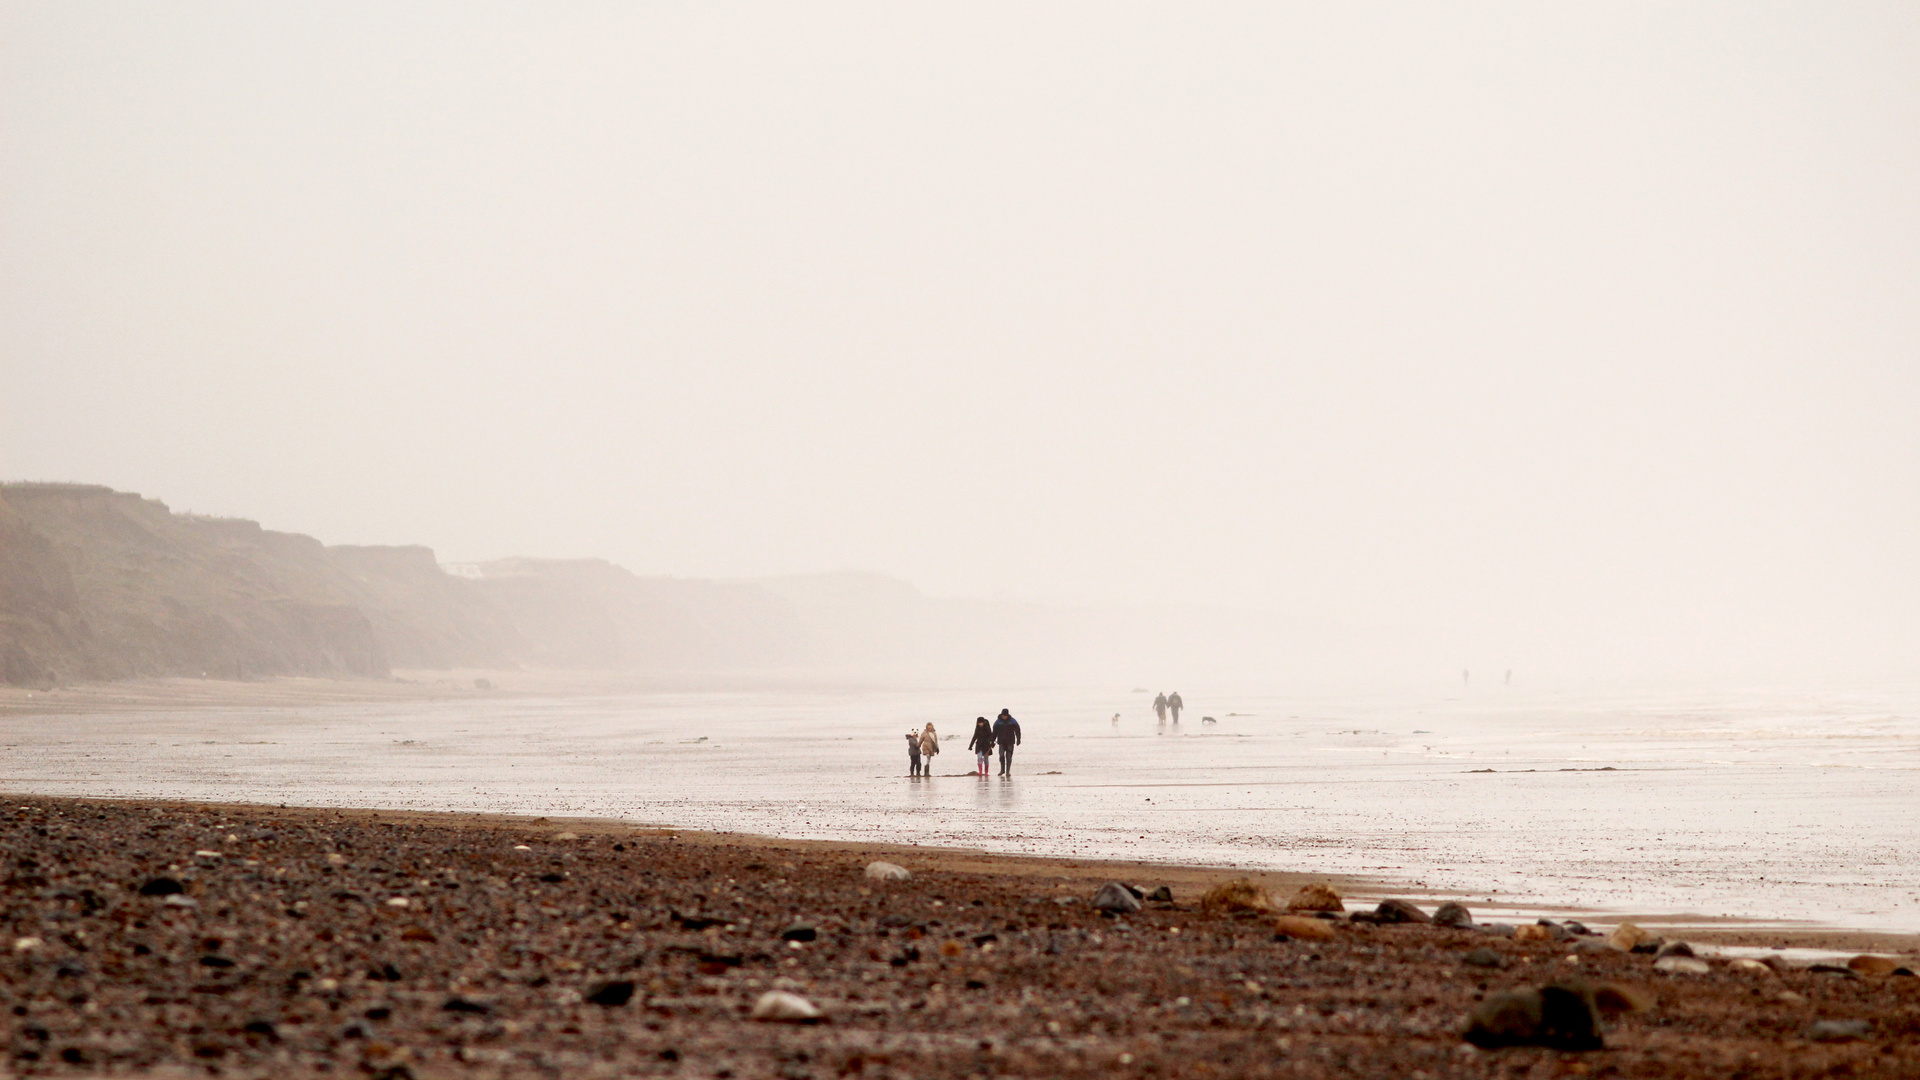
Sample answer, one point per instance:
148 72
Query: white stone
1752 966
180 901
886 871
1681 965
565 836
25 943
780 1006
398 901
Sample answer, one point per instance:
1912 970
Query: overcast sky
1589 329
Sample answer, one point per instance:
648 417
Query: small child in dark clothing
913 754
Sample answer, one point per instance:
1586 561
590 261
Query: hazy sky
1580 328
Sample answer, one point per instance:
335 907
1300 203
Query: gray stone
1399 911
1561 1016
1115 899
1675 948
1453 915
1485 958
1838 1030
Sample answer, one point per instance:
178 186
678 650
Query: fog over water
1577 340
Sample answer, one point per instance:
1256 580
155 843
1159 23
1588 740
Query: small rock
1788 997
1777 962
1399 911
1115 899
895 921
779 1006
1134 889
398 901
1498 929
1453 915
1905 973
465 1005
1675 948
1579 929
1484 958
26 944
1868 964
1561 1016
181 901
612 994
1231 896
1555 931
1533 932
162 886
1749 967
1838 1030
1626 936
1316 896
799 932
1681 965
1835 970
1161 895
566 836
883 871
1303 928
1612 998
418 933
1592 947
1649 947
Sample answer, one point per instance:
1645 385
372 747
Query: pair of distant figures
1168 703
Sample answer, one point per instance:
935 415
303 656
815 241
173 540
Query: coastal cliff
99 584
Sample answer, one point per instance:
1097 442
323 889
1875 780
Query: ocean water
1758 805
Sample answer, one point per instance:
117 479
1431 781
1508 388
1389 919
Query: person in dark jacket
981 744
913 754
1006 733
1174 705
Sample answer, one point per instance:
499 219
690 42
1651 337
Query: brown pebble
1303 928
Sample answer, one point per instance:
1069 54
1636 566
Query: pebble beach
177 939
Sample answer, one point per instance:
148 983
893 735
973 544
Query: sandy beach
1766 811
180 939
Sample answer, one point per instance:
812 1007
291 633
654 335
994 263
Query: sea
1762 805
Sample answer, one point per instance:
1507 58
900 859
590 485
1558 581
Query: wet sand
1769 812
326 942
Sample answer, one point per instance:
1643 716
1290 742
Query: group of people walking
1003 734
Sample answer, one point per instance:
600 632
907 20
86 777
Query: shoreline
1743 936
195 938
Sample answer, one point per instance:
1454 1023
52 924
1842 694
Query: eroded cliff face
98 584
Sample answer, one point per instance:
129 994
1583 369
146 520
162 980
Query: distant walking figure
929 746
1174 705
981 744
1116 719
1006 735
1160 707
913 753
